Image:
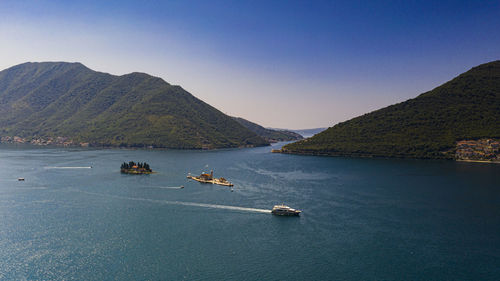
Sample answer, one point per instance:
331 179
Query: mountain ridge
271 135
427 126
51 99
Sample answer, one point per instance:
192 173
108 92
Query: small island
135 168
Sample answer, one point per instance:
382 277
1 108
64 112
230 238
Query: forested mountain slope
428 126
53 99
269 134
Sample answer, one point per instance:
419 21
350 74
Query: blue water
363 219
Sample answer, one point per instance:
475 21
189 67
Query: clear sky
286 64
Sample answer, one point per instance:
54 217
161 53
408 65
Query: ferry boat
283 210
209 178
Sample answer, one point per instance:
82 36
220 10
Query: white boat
283 210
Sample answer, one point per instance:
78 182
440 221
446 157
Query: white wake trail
83 167
166 187
215 206
29 188
181 203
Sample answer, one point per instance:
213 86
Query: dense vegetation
139 165
68 99
269 134
135 168
467 107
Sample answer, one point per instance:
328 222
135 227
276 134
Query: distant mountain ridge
50 99
428 126
306 133
271 135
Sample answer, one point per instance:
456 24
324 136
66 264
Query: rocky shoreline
58 141
69 142
479 151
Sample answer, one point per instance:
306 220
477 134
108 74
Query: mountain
270 135
428 126
306 133
59 99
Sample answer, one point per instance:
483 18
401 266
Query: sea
76 217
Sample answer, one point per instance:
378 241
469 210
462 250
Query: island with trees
135 168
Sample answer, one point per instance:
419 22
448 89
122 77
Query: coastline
69 142
484 150
379 156
477 161
355 155
133 172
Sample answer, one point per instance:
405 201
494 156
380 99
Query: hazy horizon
293 64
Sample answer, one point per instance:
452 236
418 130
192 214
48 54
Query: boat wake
181 203
30 188
167 187
226 207
83 167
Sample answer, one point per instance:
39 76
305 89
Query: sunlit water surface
363 219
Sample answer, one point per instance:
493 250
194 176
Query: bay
363 219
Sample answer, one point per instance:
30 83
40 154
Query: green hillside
269 134
53 99
428 126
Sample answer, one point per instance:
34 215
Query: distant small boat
181 186
20 179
